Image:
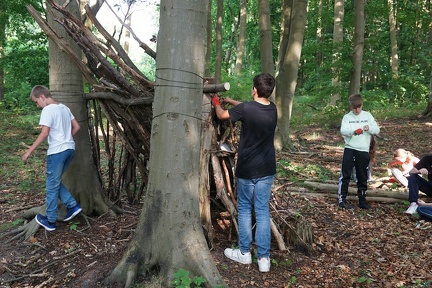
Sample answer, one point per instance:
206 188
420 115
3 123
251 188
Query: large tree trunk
171 209
66 85
286 80
337 48
357 58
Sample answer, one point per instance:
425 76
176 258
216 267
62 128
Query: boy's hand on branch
423 171
358 131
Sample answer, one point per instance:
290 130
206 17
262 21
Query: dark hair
355 101
39 90
264 83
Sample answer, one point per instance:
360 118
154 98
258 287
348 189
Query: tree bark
171 210
266 42
218 60
286 79
357 58
337 48
3 21
393 40
241 40
66 85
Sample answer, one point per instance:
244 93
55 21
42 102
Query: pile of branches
288 226
120 97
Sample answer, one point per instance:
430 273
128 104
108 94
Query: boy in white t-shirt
58 127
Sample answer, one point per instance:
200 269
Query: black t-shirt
425 162
256 152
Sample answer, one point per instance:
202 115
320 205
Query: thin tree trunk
266 47
209 42
286 80
393 40
3 21
241 43
337 48
266 40
357 58
218 62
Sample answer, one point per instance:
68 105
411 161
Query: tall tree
294 25
393 39
266 39
66 85
3 20
171 208
337 48
209 41
241 40
357 57
218 62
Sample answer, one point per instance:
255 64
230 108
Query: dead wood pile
120 110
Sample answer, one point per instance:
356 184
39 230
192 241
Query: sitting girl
406 161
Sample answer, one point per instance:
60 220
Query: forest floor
381 247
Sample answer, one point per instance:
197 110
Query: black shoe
364 205
345 205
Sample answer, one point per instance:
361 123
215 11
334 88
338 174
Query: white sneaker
236 255
264 264
412 208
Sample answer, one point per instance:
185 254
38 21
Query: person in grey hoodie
356 128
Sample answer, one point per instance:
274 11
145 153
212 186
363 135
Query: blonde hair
39 90
402 153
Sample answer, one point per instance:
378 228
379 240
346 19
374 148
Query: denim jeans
55 190
417 183
254 193
425 212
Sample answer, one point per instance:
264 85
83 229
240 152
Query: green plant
182 280
364 279
73 226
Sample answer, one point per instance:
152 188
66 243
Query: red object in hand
215 100
358 131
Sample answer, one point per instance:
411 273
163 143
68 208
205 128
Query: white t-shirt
58 118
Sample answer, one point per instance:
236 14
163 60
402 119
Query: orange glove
358 131
215 100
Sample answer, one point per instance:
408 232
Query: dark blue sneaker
72 212
43 221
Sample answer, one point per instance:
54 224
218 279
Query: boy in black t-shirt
256 167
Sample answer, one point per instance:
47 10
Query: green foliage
364 280
73 226
182 280
9 225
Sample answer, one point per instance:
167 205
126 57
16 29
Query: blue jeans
254 193
425 212
417 183
56 166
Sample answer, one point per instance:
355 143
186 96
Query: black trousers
360 160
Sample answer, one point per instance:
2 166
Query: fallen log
332 188
352 197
